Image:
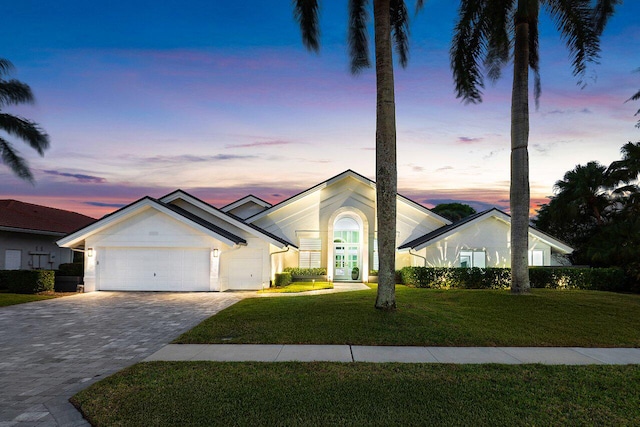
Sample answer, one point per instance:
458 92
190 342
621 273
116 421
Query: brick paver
49 350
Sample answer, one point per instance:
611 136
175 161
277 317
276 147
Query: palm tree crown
14 92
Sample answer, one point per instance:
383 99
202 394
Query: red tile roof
28 216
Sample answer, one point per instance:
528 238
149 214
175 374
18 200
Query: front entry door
345 260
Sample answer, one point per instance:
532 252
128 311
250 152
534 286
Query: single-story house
28 235
181 243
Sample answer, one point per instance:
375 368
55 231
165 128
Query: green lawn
293 394
428 317
12 299
299 287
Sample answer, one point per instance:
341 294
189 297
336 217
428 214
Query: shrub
295 271
4 283
373 272
282 279
29 281
71 269
603 279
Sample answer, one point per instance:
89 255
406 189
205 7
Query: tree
484 35
454 211
14 92
390 21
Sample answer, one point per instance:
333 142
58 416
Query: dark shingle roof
27 216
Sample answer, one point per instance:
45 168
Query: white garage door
154 269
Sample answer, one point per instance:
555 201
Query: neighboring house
181 243
28 235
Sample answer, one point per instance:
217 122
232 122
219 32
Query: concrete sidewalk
356 353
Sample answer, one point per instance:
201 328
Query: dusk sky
222 100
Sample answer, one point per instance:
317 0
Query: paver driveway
49 350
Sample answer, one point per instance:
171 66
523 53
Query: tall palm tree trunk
519 191
386 170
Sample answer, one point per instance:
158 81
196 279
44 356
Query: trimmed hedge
602 279
71 269
27 281
463 278
295 271
597 279
282 279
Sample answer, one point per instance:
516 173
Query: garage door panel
155 269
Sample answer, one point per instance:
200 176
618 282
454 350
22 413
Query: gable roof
348 173
246 199
133 208
232 219
447 230
27 217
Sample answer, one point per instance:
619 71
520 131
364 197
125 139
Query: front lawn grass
299 287
12 299
427 317
310 394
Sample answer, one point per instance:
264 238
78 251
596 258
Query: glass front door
346 259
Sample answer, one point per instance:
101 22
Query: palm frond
5 66
16 163
419 5
14 92
305 13
573 19
496 26
602 11
466 48
358 36
534 50
400 30
26 130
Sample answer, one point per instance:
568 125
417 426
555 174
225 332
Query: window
309 255
536 257
469 259
376 260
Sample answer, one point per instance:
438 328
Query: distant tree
491 33
14 92
391 29
454 211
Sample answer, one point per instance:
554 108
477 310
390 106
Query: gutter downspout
271 261
419 256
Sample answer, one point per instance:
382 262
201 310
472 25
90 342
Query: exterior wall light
90 252
216 253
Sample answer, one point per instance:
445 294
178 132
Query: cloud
368 148
491 154
188 158
444 168
417 168
105 205
468 140
85 179
260 144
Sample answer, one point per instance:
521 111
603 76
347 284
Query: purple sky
221 99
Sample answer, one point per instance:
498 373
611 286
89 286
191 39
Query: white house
181 243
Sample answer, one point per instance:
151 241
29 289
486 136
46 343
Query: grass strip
309 394
7 299
428 317
299 287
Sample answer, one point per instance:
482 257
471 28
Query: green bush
463 278
602 279
295 271
598 279
28 281
4 283
282 279
71 269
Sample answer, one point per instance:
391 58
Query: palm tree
390 20
14 92
585 190
454 211
484 35
636 97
